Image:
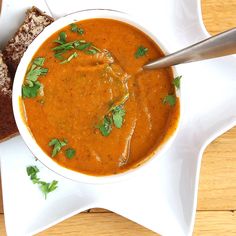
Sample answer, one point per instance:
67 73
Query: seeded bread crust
34 23
5 80
7 122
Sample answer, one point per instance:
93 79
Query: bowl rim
25 131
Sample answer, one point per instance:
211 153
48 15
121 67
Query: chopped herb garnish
39 61
57 145
32 172
35 72
64 47
62 38
115 115
74 55
31 91
46 188
70 152
32 86
105 126
59 55
141 51
82 46
118 116
170 99
176 82
76 29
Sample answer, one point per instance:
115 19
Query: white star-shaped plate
163 198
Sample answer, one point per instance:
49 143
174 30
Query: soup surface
89 105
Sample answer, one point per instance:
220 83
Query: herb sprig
57 145
32 86
81 45
169 99
141 51
70 152
45 187
76 29
176 81
115 116
118 115
61 38
105 126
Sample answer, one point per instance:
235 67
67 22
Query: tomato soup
90 106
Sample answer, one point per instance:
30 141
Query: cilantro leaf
39 61
64 47
106 126
59 50
62 37
52 186
74 55
141 51
29 83
30 91
57 145
76 29
58 41
32 172
83 46
46 188
32 86
70 152
170 99
59 55
118 116
115 115
176 82
35 72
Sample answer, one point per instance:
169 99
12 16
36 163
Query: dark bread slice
7 122
34 23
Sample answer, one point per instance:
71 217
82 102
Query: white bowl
19 78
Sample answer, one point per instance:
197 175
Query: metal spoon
217 46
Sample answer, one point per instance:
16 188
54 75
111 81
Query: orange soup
89 105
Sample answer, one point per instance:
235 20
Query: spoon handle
217 46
